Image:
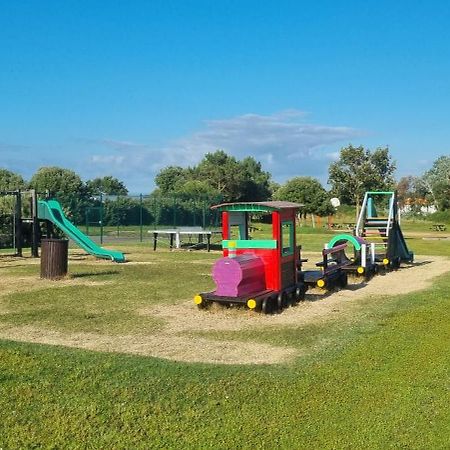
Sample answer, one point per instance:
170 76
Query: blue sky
125 88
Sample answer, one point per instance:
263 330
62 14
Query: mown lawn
387 387
381 381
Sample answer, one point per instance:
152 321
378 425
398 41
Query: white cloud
285 143
116 160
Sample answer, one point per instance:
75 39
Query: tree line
220 177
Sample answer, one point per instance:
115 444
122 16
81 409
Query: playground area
168 326
104 321
123 345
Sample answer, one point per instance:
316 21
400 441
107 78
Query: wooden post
54 256
36 227
18 224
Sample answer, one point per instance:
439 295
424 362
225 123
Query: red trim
225 226
225 229
276 234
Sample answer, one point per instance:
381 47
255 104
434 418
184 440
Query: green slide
51 210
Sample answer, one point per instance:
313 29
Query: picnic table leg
155 240
171 241
208 244
177 240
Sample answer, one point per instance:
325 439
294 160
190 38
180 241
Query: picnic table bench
175 235
438 227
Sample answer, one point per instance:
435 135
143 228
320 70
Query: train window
287 238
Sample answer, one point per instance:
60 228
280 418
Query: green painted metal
347 238
287 224
51 210
371 211
244 244
247 208
397 247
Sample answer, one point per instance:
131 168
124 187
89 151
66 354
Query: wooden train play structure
267 274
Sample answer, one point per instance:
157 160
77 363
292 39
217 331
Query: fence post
174 212
18 224
101 218
35 226
140 217
86 215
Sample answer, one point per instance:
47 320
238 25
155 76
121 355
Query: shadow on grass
316 296
415 264
94 274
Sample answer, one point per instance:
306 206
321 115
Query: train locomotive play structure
267 274
260 273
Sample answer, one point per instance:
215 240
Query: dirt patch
160 345
178 339
184 317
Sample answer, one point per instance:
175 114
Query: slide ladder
379 224
51 210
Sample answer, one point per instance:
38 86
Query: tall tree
223 173
438 182
107 185
257 181
65 185
217 174
412 191
359 170
10 181
170 178
307 191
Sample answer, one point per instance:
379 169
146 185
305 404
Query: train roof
257 206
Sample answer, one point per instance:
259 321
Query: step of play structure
383 230
376 224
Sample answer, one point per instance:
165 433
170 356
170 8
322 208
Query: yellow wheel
251 303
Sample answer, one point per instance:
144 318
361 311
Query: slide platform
51 210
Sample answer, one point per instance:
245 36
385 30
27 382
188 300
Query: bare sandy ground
179 340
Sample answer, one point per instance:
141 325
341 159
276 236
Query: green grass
105 298
378 378
384 386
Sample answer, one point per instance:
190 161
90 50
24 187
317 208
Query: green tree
217 174
257 181
10 181
107 185
223 173
170 178
438 182
66 186
412 191
359 170
309 192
